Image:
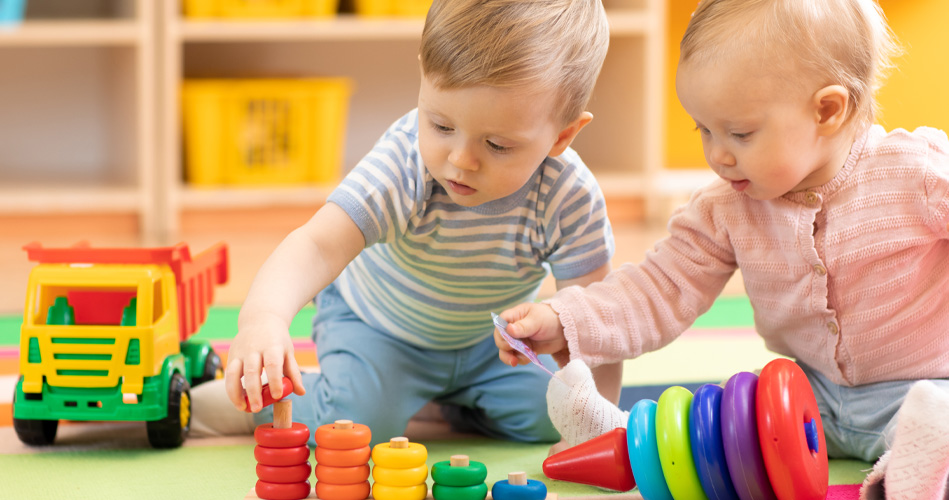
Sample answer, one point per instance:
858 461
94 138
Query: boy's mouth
461 189
740 185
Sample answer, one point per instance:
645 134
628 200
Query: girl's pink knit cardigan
851 278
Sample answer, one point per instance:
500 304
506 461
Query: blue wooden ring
644 451
705 430
533 490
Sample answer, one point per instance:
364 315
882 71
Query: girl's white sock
577 409
917 464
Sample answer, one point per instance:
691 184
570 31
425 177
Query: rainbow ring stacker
675 450
644 451
791 433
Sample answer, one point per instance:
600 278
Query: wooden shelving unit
78 93
92 112
622 146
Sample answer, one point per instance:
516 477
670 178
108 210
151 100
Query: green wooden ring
447 475
473 492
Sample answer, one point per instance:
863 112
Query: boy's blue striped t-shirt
432 271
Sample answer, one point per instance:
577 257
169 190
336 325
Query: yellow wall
914 95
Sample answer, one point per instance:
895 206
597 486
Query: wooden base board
252 495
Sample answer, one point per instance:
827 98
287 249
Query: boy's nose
462 158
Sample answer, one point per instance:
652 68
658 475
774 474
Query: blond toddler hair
543 45
830 42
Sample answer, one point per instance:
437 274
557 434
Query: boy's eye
496 147
441 128
702 129
741 135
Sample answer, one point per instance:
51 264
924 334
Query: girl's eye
496 147
741 136
441 128
702 130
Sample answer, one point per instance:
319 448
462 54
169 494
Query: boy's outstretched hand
537 325
263 346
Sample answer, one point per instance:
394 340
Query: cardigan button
812 198
832 327
820 270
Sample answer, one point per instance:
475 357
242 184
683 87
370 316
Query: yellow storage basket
260 8
265 131
405 8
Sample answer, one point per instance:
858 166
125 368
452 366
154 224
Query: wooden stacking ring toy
342 475
343 435
290 474
518 487
472 492
387 455
267 398
277 491
409 476
342 458
385 492
297 435
356 491
281 457
446 474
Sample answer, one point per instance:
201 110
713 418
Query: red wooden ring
266 398
284 475
330 491
785 402
275 491
297 435
343 458
328 436
281 457
342 475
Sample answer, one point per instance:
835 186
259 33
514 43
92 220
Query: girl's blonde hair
837 42
541 45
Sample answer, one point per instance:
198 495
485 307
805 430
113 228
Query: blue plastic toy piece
708 451
643 449
533 490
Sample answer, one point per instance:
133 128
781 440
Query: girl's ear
832 107
566 136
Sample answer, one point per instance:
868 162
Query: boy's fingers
274 369
232 384
292 370
252 383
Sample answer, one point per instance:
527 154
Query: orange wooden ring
284 475
281 457
343 458
342 475
275 491
297 435
328 436
330 491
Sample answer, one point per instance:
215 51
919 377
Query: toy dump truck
105 338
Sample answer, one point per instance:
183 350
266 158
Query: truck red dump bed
195 277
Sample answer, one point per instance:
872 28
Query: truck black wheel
36 432
212 369
171 431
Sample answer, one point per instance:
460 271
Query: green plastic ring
445 474
473 492
675 449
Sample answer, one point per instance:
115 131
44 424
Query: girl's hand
262 344
537 325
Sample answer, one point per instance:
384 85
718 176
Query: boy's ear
832 106
566 136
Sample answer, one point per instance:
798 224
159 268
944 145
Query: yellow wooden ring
385 492
383 455
400 477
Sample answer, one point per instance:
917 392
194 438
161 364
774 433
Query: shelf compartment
73 33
